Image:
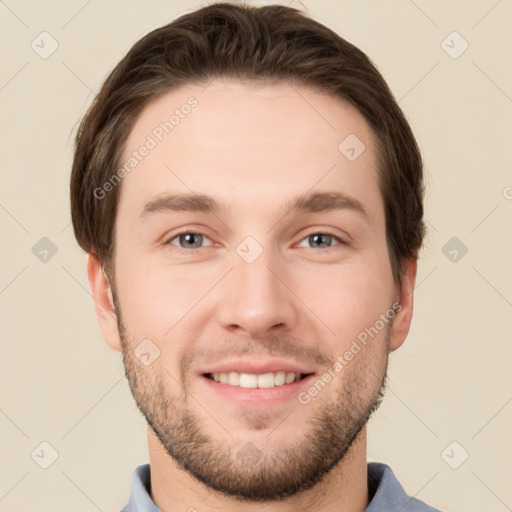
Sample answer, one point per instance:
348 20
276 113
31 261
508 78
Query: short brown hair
272 42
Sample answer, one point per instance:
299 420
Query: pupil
316 237
188 237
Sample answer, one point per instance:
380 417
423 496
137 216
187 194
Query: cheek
161 298
348 299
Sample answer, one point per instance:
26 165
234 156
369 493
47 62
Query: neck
343 489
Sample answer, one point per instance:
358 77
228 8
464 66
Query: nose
257 299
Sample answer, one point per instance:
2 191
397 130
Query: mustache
277 346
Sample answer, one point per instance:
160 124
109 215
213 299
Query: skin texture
253 147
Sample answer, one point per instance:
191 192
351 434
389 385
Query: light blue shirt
385 492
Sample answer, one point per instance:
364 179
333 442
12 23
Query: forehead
246 143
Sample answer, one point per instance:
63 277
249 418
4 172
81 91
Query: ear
103 302
403 317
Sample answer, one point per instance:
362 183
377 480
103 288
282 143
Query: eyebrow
314 202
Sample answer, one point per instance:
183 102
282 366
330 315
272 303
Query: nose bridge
254 297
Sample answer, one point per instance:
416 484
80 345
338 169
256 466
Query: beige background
61 384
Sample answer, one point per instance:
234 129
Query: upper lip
257 367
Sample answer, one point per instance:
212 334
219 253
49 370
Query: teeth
233 378
265 380
290 377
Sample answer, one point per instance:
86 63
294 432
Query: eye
323 238
190 240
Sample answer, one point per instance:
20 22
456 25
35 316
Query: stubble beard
246 471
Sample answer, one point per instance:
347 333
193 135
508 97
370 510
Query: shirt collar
386 492
140 499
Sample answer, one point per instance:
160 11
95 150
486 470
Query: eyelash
323 232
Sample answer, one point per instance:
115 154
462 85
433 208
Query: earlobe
403 318
103 302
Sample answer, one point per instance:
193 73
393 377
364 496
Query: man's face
254 281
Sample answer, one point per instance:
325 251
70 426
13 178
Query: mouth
256 391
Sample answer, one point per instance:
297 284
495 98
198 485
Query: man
218 153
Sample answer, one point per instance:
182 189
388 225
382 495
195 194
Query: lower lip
254 396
